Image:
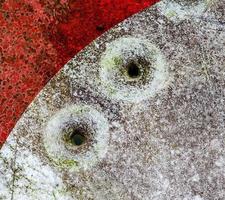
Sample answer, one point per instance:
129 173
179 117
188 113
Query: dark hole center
77 138
133 70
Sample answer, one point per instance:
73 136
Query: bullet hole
75 135
133 70
78 137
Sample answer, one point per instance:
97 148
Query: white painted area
177 12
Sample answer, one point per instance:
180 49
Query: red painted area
37 37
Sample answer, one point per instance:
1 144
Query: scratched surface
149 95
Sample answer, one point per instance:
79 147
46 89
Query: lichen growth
66 163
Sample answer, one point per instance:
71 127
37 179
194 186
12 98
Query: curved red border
39 36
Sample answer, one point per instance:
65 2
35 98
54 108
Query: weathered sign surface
138 114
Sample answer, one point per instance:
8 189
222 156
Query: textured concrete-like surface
156 132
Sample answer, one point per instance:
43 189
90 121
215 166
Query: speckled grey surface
158 136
